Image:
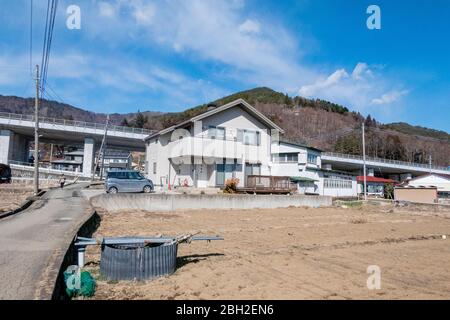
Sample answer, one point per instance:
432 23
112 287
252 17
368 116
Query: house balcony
209 148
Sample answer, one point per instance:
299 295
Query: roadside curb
24 205
51 286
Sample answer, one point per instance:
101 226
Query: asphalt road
31 241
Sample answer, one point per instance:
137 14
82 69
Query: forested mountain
321 124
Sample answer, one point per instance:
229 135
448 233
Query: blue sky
171 55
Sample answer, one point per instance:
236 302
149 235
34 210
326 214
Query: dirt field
294 253
13 197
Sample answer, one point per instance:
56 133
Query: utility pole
431 163
100 152
36 135
51 153
364 160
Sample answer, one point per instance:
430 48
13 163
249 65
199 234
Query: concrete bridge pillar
13 147
5 146
88 157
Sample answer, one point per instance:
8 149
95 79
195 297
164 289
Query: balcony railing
205 146
82 124
382 160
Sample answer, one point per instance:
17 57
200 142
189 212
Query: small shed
418 195
305 185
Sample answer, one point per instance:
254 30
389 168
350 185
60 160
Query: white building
300 163
441 182
236 141
304 166
231 141
113 159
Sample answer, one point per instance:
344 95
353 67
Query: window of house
312 158
285 158
216 133
249 137
154 167
333 183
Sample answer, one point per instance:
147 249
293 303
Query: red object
374 179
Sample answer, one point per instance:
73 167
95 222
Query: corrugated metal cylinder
137 262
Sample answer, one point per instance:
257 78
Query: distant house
116 160
441 182
375 185
72 161
113 159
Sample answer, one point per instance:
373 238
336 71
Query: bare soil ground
294 253
12 197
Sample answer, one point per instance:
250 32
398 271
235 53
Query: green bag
79 283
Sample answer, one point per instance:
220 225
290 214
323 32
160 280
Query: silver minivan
127 181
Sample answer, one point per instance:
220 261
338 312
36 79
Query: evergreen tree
125 123
141 120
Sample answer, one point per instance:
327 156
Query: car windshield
134 176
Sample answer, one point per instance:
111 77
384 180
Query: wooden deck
268 185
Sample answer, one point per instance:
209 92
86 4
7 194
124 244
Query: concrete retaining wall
171 202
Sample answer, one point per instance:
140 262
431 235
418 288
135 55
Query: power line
45 42
48 36
31 37
54 93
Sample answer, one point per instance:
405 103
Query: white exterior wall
197 146
237 118
442 183
299 168
157 151
338 192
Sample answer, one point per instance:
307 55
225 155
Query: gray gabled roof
296 144
239 102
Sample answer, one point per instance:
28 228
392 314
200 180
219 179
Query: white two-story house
231 141
237 141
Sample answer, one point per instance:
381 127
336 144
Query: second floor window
285 158
312 158
216 133
249 137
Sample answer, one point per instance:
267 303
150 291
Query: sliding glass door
224 172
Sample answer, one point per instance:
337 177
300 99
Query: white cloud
361 69
144 13
209 31
240 48
318 86
363 89
390 97
107 9
250 26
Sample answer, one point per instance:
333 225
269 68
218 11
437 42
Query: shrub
389 191
231 185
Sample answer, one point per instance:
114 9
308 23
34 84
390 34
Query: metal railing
382 160
42 167
74 123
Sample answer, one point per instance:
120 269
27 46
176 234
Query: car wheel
113 190
147 189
